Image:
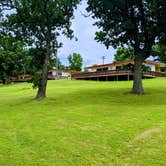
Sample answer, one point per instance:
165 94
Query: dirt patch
147 133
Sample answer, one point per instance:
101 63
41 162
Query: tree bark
138 71
42 88
6 81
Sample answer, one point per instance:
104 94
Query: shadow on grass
90 96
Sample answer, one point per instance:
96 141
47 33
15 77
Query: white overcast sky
84 30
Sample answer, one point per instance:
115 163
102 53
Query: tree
75 61
159 51
123 54
55 62
39 23
11 58
8 67
136 23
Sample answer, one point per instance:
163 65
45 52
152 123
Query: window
103 69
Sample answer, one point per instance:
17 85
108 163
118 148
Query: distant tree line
16 60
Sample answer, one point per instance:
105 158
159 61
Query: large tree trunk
42 88
138 72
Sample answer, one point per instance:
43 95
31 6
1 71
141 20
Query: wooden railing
115 73
102 73
154 74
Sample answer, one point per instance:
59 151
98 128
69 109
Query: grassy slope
83 123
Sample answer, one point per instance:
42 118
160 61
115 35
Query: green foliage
36 80
75 61
132 23
37 59
123 54
159 51
11 58
136 23
53 63
39 23
8 67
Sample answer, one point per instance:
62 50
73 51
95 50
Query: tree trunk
137 84
42 88
6 81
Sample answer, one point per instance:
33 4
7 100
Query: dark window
103 69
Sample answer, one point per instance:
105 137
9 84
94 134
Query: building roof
125 63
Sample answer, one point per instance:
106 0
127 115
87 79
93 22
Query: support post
117 79
128 77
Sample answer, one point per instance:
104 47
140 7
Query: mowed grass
83 123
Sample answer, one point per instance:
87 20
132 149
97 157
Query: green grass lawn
83 123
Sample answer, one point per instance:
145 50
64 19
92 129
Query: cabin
61 74
121 71
148 65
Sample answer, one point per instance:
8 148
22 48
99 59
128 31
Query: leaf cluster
123 54
41 20
137 23
11 57
75 61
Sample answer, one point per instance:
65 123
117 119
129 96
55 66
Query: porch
114 75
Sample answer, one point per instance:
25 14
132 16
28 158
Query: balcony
127 74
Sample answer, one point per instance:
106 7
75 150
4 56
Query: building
61 74
121 71
52 75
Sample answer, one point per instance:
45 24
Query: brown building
121 71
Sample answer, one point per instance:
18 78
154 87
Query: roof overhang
159 64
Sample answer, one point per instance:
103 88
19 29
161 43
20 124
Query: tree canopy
159 51
75 61
123 54
39 23
136 23
11 57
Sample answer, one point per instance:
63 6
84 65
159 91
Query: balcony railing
115 73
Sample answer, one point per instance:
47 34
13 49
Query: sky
90 50
84 30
